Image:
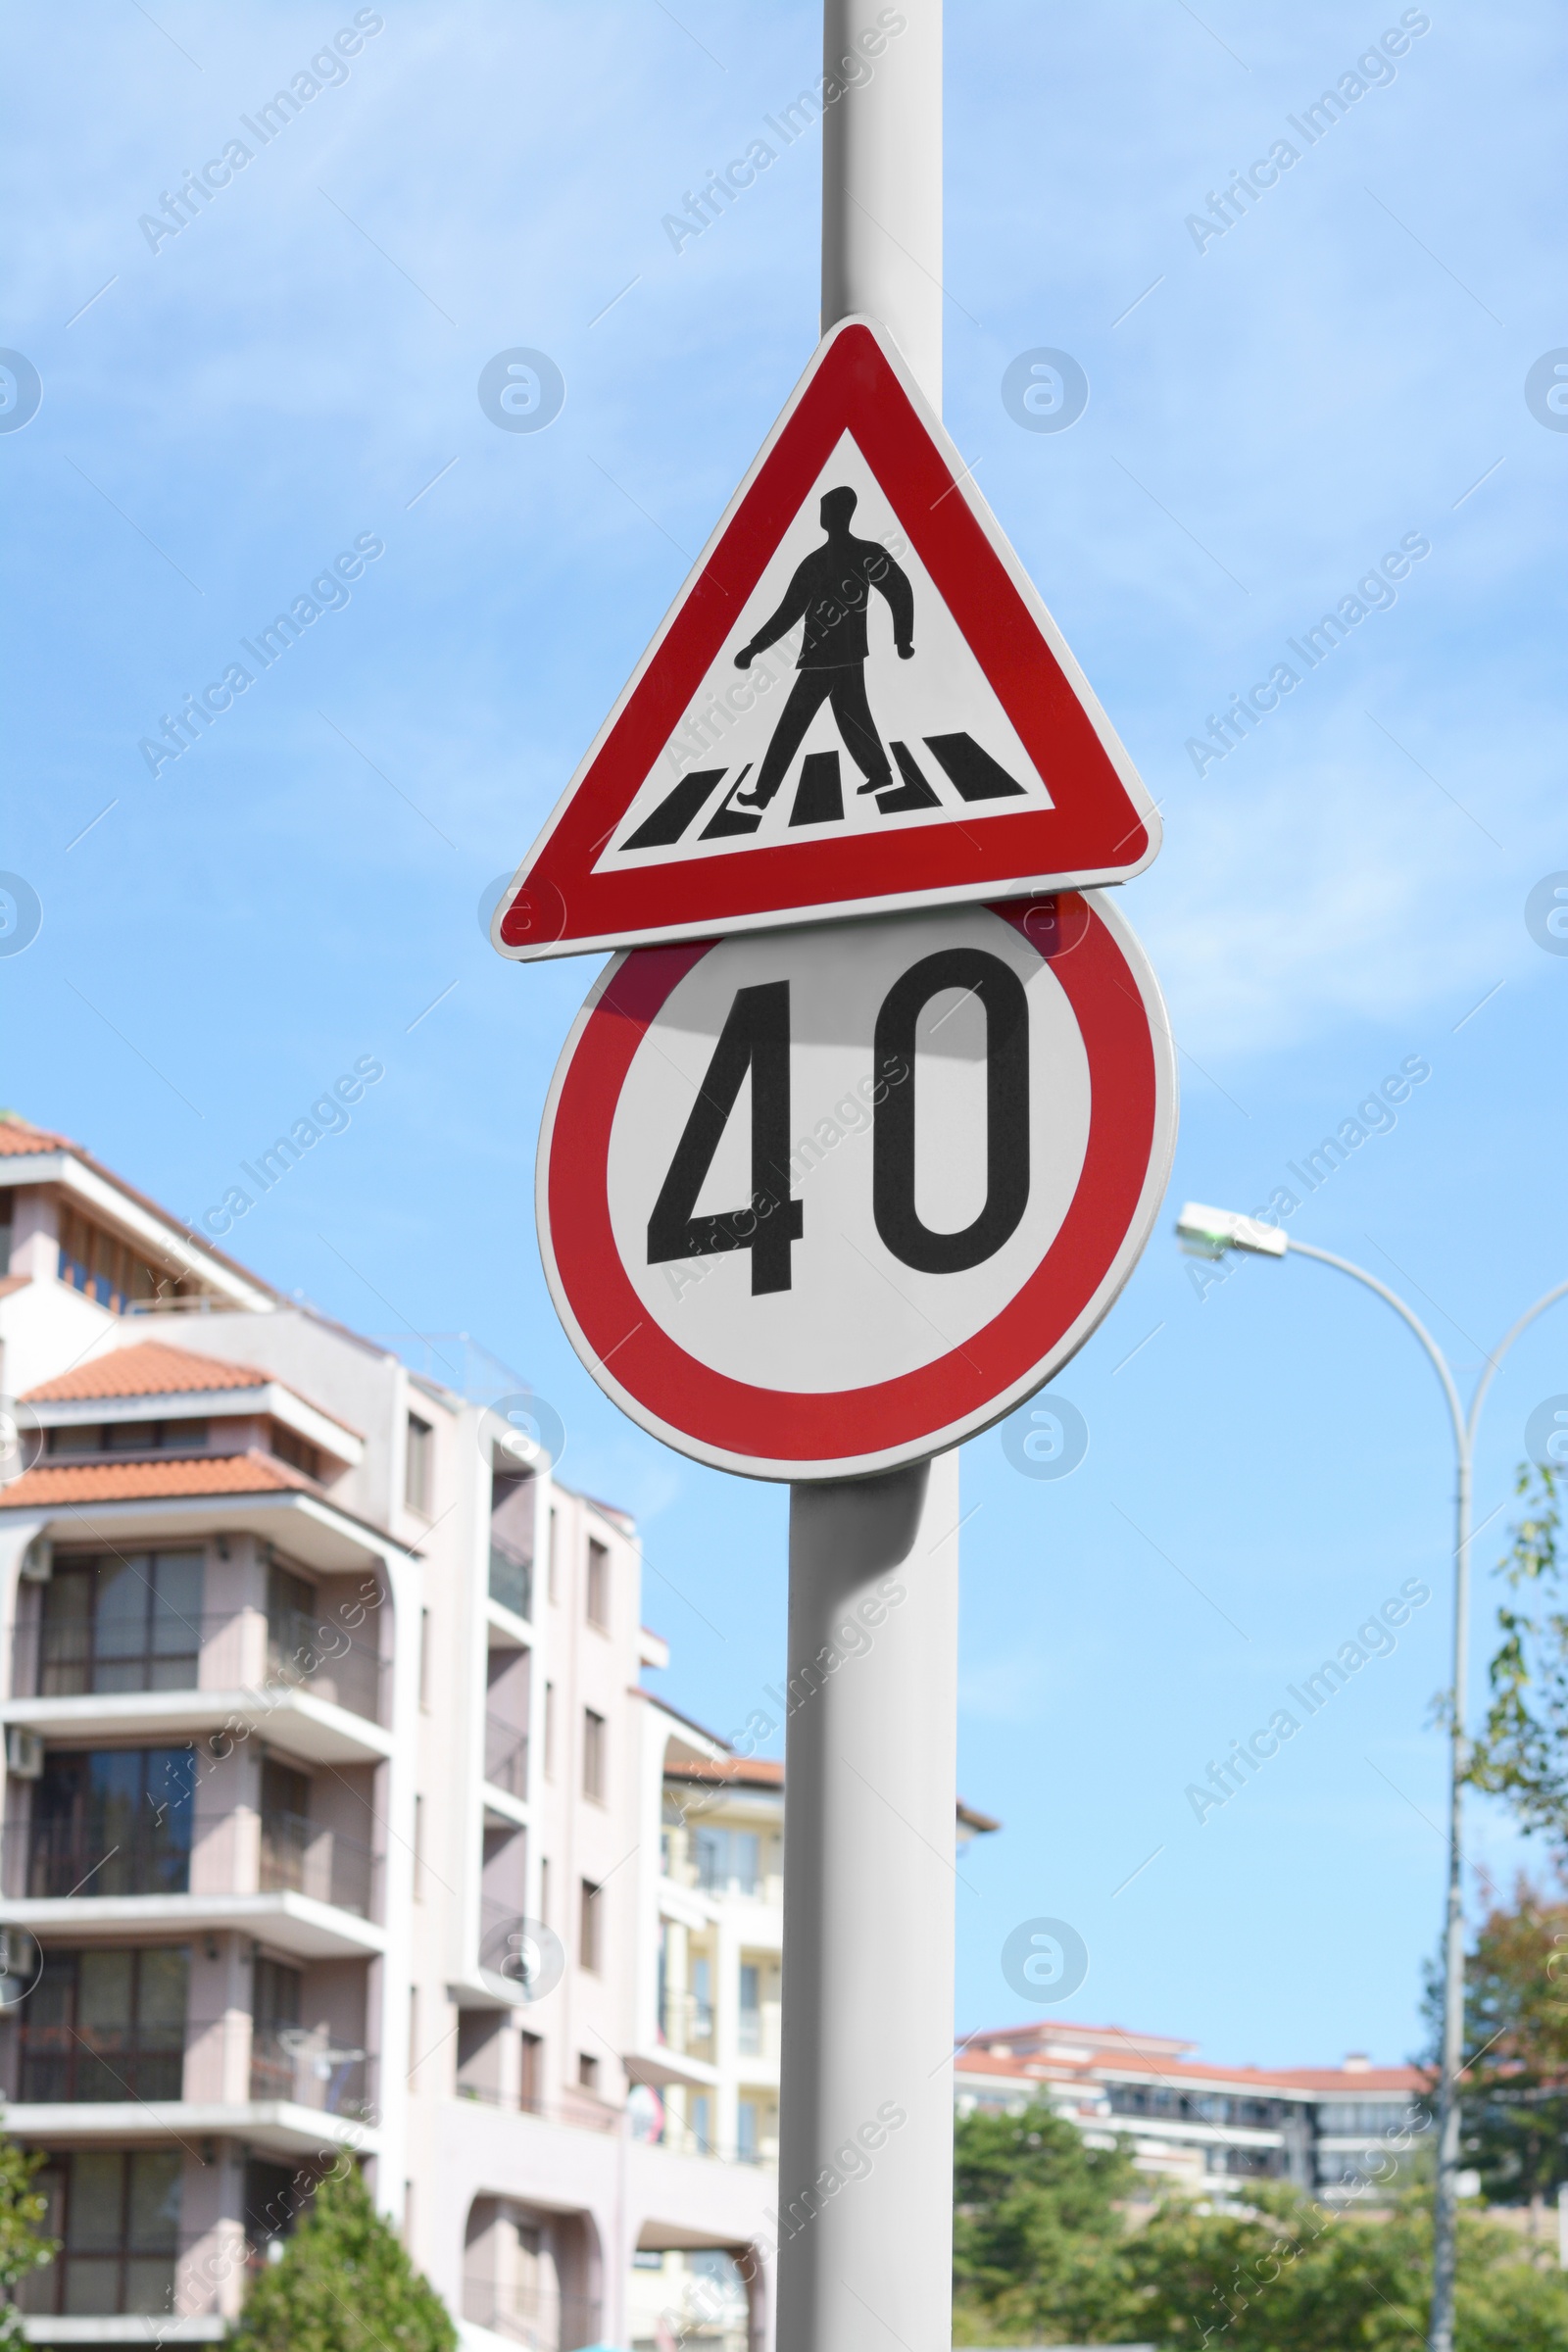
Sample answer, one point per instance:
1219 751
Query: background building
1205 2128
332 1800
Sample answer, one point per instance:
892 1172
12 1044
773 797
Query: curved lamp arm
1462 1429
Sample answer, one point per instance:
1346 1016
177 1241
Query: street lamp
1211 1233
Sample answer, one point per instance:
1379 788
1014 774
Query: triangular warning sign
857 703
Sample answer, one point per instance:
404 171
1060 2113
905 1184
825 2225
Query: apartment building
332 1820
1330 2131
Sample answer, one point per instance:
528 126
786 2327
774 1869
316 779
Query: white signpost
820 1198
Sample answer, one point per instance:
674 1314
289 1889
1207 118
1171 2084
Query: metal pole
882 177
865 2145
865 2127
1444 2233
1439 2335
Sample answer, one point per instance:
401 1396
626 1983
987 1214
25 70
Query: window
418 1466
530 2084
544 1890
75 1438
698 2116
589 1936
599 1584
115 1273
701 1998
593 1755
550 1730
290 1617
116 2213
128 1622
5 1240
112 1820
290 1447
751 2010
726 1860
274 2017
587 2071
105 2025
746 2131
272 2200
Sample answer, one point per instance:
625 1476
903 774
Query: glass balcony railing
44 1860
301 1856
77 1657
506 1757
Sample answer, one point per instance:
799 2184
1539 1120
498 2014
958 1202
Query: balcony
300 1856
301 2065
264 1873
511 1581
506 1757
78 1657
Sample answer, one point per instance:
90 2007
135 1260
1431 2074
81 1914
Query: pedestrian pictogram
859 702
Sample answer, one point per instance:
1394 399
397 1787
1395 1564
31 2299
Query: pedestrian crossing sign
856 704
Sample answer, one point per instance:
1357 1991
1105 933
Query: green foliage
1035 2227
1044 2256
1523 1753
1516 2048
344 2284
22 2249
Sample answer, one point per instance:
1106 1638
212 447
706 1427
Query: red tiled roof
737 1770
153 1368
150 1368
19 1138
1030 2068
49 1484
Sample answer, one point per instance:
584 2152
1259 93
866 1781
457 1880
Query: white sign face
818 1202
939 748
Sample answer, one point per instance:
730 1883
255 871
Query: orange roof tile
150 1368
153 1368
1030 2067
19 1138
758 1773
49 1485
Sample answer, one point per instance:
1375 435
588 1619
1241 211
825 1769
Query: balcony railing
87 2064
303 2065
48 1859
78 1657
300 1856
506 1757
511 1581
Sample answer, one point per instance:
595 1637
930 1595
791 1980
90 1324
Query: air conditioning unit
39 1560
23 1753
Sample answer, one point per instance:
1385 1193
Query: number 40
756 1038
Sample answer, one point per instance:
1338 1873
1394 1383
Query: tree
1044 2254
22 2249
1523 1753
1035 2227
1516 2047
344 2284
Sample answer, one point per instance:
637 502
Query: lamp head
1210 1232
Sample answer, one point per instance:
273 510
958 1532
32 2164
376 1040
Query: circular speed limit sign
816 1202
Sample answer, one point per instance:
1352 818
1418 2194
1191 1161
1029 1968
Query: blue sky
298 368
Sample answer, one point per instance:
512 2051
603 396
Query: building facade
332 1819
1336 2133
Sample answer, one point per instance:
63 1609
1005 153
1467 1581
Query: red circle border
785 1426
